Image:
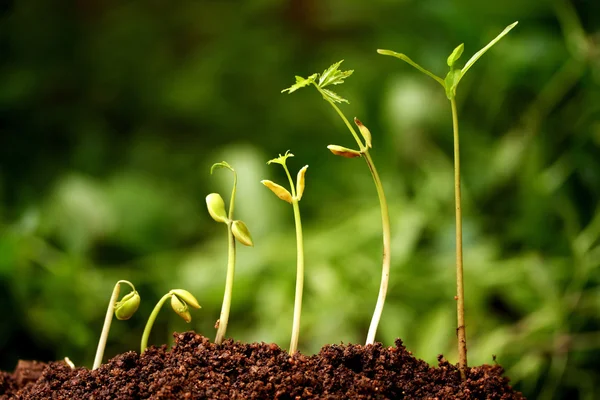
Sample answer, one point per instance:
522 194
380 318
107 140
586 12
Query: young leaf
300 83
128 305
300 182
281 159
344 151
406 59
181 308
364 131
477 55
187 297
333 76
241 233
332 96
279 190
452 58
450 83
216 207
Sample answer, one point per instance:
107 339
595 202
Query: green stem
107 322
460 291
299 267
151 320
385 222
224 317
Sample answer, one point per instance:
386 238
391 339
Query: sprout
123 310
293 198
180 300
235 230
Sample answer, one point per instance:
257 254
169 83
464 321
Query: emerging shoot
450 83
333 76
123 310
180 300
293 198
235 230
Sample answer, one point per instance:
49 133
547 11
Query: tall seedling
333 76
449 83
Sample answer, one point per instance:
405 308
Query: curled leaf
364 131
128 305
241 233
216 207
222 164
300 182
344 151
279 190
187 297
181 308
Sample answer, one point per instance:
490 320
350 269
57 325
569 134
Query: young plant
450 83
122 309
235 230
180 299
293 198
333 76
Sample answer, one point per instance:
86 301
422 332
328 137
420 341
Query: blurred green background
111 113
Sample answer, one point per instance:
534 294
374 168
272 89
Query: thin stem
385 222
299 267
151 320
107 322
224 317
460 290
385 270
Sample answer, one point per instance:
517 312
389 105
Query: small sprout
216 207
128 305
235 230
241 233
344 151
300 182
293 198
123 310
364 131
69 363
279 190
180 299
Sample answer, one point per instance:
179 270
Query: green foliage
111 115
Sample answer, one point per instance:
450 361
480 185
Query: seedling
293 198
333 76
450 83
123 310
235 230
180 299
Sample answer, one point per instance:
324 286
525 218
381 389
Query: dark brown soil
195 368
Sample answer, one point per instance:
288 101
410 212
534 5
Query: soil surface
196 368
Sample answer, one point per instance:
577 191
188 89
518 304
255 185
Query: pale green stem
385 222
151 320
224 317
299 268
107 322
226 307
460 290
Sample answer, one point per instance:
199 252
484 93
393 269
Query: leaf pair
279 190
216 209
452 79
180 299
